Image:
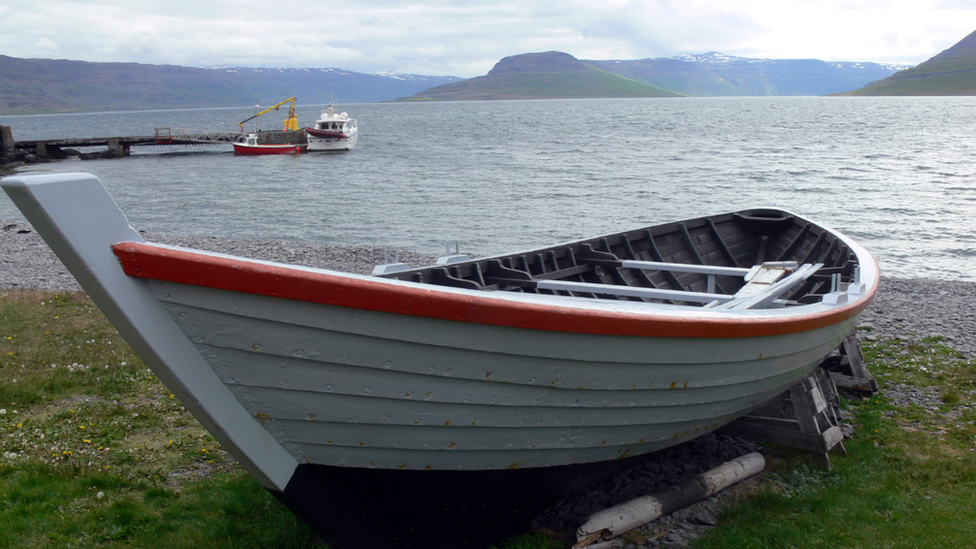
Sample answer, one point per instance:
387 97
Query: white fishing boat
445 406
250 145
333 131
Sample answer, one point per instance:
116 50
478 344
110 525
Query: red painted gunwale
146 260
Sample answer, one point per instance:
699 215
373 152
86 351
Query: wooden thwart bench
764 283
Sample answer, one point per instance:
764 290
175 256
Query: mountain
548 75
556 75
952 72
716 74
45 86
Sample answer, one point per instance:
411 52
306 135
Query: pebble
27 262
904 309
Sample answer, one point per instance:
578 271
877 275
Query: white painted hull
472 407
371 389
318 144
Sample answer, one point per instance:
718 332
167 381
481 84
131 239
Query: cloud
45 44
466 38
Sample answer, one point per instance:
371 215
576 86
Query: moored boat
445 406
249 145
333 131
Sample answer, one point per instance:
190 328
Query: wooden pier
120 146
34 150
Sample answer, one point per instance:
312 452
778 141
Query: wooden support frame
807 416
847 369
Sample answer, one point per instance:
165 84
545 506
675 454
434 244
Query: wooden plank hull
338 386
470 393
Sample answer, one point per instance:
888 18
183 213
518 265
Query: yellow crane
291 123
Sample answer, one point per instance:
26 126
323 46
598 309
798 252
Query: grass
909 477
96 453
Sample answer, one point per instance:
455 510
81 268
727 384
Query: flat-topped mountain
537 63
952 72
548 75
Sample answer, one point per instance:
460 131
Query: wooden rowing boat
446 406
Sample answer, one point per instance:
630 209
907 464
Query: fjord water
896 174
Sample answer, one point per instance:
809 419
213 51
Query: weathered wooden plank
625 517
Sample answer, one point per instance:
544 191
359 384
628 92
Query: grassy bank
908 480
96 453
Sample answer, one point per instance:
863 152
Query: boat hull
259 150
319 140
466 442
472 408
357 388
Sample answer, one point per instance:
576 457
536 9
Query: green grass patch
46 505
97 453
908 479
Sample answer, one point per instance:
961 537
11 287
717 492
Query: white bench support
630 291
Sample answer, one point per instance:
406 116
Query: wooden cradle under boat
446 406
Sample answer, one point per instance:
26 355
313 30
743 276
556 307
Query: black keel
354 508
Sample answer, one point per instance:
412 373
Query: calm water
898 174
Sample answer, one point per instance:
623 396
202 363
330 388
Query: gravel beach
908 309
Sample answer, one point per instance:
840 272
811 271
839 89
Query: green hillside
952 72
717 74
549 75
31 86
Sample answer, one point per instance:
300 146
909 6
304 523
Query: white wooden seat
764 284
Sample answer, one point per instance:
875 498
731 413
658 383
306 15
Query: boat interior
749 259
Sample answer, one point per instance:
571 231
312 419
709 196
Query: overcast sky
467 37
